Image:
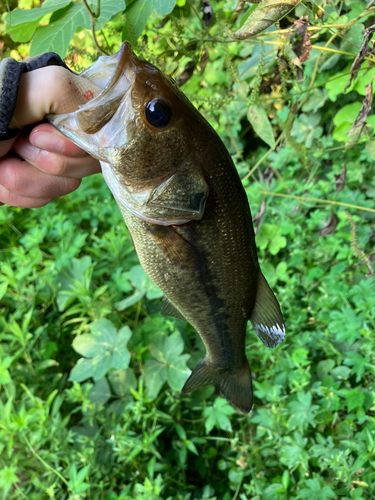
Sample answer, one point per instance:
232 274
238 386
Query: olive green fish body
186 209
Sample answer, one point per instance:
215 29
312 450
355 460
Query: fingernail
49 142
28 152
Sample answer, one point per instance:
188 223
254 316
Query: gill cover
101 127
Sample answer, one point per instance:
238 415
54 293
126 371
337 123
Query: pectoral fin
179 251
266 316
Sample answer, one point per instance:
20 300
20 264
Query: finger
62 92
13 200
22 179
6 146
56 164
45 136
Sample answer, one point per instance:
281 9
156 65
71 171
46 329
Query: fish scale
187 212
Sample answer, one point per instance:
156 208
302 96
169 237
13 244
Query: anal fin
168 309
266 317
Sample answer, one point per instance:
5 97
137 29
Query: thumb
52 90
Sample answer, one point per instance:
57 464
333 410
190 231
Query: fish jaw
91 126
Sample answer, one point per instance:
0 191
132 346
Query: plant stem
316 200
47 466
93 17
264 157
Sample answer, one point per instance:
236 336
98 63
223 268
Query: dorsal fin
266 317
168 309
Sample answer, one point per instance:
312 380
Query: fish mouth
117 75
100 123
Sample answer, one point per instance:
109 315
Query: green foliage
91 373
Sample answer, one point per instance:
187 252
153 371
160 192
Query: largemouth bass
185 207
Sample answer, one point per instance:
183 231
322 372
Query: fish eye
158 113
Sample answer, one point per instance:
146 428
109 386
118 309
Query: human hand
48 164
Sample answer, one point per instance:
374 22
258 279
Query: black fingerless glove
10 75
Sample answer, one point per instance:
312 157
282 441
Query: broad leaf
302 412
108 9
56 36
100 365
120 354
354 399
130 301
217 415
122 380
178 373
105 328
101 392
164 7
90 344
22 16
81 371
155 375
22 32
261 124
266 13
173 347
137 15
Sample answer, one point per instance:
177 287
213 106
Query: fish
186 210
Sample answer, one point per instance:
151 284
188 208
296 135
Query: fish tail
234 385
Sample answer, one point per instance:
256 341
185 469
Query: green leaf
315 491
164 7
106 329
217 415
302 412
261 125
76 483
7 478
90 344
56 36
81 371
277 244
178 373
155 375
3 289
263 16
22 16
172 348
370 150
130 301
108 9
122 380
22 32
120 353
101 365
139 278
336 86
100 392
354 399
137 15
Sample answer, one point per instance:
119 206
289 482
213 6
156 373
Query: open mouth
116 76
100 124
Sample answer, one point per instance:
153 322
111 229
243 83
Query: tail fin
234 386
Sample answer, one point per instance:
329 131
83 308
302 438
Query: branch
93 17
